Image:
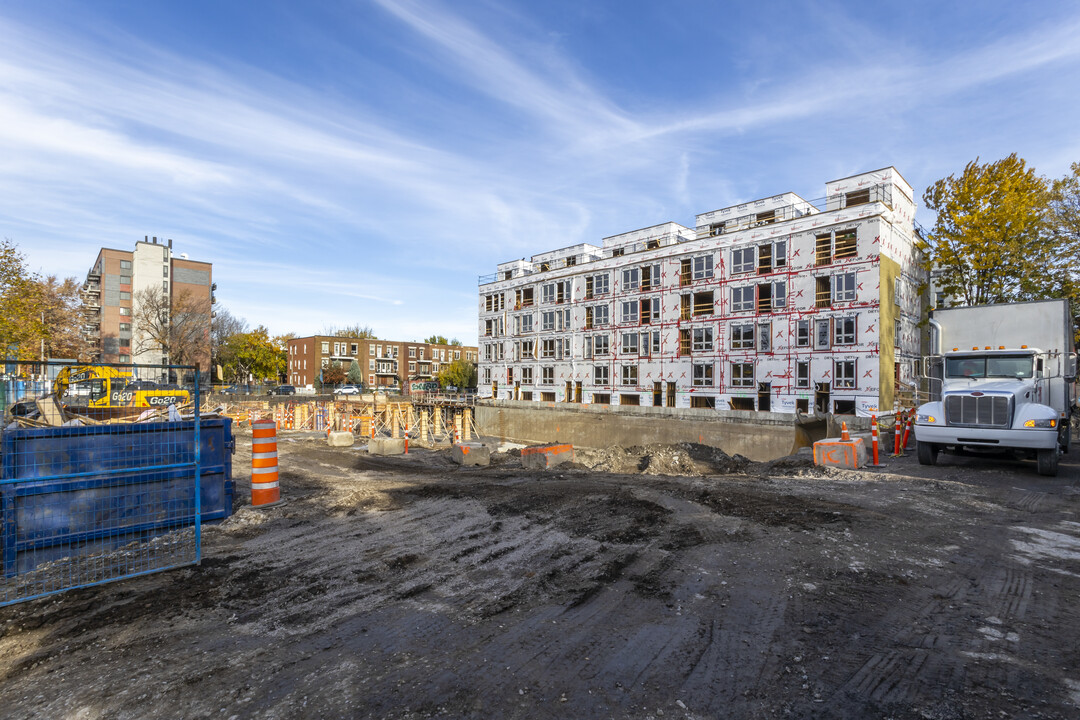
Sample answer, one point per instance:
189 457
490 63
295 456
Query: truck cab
1002 398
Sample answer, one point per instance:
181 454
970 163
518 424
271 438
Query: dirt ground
662 582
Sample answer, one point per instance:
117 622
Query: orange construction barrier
874 440
264 464
844 435
907 432
896 434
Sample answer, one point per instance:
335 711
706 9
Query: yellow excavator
100 386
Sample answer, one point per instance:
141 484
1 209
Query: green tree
350 331
356 375
436 340
60 307
990 242
254 355
1065 230
21 324
459 373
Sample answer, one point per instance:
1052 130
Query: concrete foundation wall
759 436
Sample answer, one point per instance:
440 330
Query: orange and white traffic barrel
264 463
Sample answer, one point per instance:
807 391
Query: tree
254 355
1065 229
21 326
225 325
177 326
350 331
989 242
356 375
459 373
333 374
436 340
61 308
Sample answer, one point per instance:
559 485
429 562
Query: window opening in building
701 401
625 399
703 303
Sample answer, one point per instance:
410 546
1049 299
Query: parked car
283 390
347 390
237 390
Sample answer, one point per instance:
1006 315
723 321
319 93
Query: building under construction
777 304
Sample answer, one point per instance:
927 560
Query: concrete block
340 439
541 457
471 453
834 452
386 446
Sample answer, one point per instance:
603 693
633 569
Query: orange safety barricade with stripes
264 463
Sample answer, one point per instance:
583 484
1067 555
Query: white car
347 390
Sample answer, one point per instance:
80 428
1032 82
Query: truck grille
982 411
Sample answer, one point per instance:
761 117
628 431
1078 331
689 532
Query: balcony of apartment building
384 368
423 370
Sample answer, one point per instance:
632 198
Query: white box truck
1006 375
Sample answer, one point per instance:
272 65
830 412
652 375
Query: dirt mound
678 459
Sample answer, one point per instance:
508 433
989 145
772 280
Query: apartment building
111 292
777 304
387 364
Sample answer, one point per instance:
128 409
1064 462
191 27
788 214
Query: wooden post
438 422
395 421
466 422
423 426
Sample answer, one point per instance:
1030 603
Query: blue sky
364 161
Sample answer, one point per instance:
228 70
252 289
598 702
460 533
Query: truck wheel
1048 462
927 453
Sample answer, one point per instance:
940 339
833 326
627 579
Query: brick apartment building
777 304
387 364
113 284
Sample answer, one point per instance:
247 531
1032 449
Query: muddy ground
670 582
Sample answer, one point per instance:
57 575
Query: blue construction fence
98 483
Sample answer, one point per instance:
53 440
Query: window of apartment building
378 350
844 331
630 343
457 354
650 277
601 345
742 374
631 279
125 327
685 342
844 288
802 374
742 298
685 306
547 321
844 374
526 349
491 329
703 375
489 353
771 296
703 267
550 348
897 334
898 291
125 264
554 293
412 368
652 244
125 358
629 314
125 279
596 285
835 246
821 334
618 252
857 197
571 261
625 399
601 315
742 260
601 398
523 323
124 295
412 352
650 311
601 375
742 336
802 333
771 257
523 297
547 376
165 286
165 271
629 375
764 337
494 302
703 339
371 348
526 376
703 303
125 311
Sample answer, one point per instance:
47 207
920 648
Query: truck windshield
993 366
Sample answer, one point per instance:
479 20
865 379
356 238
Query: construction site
692 574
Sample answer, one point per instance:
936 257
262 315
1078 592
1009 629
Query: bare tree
178 327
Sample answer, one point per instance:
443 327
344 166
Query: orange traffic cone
844 437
